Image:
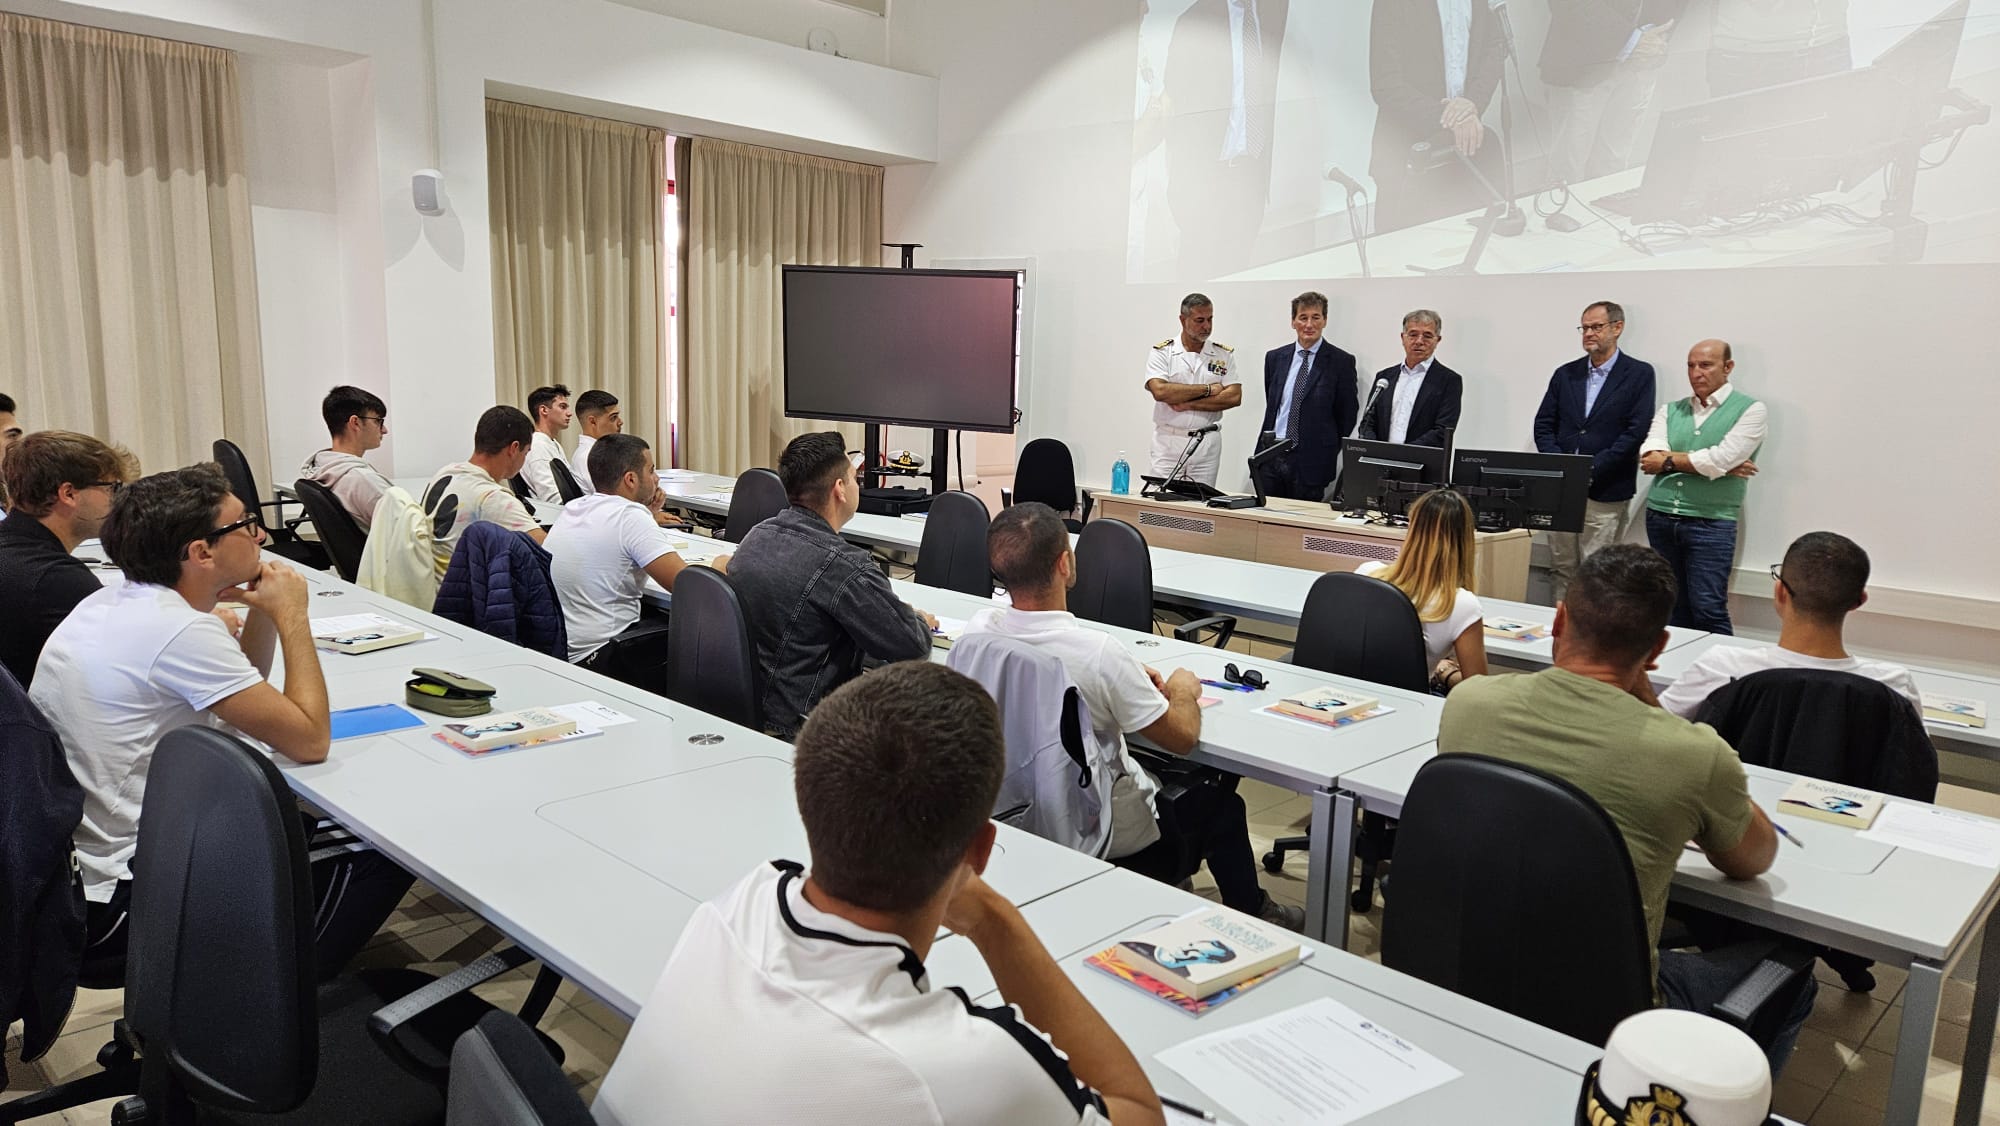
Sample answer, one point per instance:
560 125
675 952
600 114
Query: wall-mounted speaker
427 191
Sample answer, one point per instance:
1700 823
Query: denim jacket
817 606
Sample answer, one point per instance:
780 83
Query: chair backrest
501 1075
759 496
1058 780
1046 473
952 554
220 979
1354 625
342 538
1515 888
236 467
1114 576
1839 726
711 662
566 486
519 484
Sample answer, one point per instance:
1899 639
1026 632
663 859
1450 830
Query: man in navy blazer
1601 405
1308 397
1419 398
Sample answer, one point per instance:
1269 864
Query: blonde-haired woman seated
1435 570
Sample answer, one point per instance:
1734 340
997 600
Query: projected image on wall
1314 139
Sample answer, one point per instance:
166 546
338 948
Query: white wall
859 35
1876 432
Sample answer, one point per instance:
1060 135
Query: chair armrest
1783 964
1223 625
1006 498
383 1022
1088 500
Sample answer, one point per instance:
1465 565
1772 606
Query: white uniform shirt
1735 447
1725 663
473 496
1213 363
540 478
600 548
1408 386
771 1010
579 463
130 663
1441 636
1121 698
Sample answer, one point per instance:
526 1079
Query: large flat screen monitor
931 348
1369 470
1509 489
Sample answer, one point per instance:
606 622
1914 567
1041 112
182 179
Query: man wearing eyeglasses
358 421
62 485
135 661
1598 404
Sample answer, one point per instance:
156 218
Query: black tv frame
1504 507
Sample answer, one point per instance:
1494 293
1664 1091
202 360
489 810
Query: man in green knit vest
1699 453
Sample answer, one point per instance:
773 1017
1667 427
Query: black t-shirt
40 583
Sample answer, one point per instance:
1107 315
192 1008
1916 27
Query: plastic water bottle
1121 475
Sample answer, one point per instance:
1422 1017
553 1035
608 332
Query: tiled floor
1839 1076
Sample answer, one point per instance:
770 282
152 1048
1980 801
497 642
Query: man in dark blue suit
1309 398
1601 405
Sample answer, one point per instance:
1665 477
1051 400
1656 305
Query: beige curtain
576 214
126 273
750 211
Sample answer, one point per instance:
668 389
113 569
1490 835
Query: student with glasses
62 485
357 422
135 661
1823 579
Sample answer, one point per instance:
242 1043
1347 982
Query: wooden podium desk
1308 534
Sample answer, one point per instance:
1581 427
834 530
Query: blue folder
352 723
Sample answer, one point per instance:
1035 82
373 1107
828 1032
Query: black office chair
1361 627
342 538
522 492
566 486
1114 584
1514 887
1838 726
1047 473
502 1076
282 535
759 495
711 663
221 990
952 553
639 655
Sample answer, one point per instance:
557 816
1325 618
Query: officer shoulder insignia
1164 343
1222 346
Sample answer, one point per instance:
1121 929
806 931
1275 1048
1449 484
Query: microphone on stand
1355 225
1372 393
1209 429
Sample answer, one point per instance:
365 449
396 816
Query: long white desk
1898 906
1239 736
1513 1071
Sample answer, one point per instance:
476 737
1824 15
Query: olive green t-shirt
1664 781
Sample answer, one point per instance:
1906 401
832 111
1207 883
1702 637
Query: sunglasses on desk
1248 678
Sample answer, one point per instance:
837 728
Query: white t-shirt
540 478
1724 663
1441 636
579 462
130 663
600 548
1121 698
771 1010
473 496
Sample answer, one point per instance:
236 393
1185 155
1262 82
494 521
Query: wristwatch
1667 466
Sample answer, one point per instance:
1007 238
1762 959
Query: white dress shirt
1718 459
1301 357
1408 385
1456 16
1593 383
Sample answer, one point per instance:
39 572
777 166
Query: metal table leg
1330 867
1979 1035
1913 1044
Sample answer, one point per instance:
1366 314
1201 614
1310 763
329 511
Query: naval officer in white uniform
1192 380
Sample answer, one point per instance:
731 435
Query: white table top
1514 1071
1237 734
1888 903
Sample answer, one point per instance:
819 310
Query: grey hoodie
357 483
